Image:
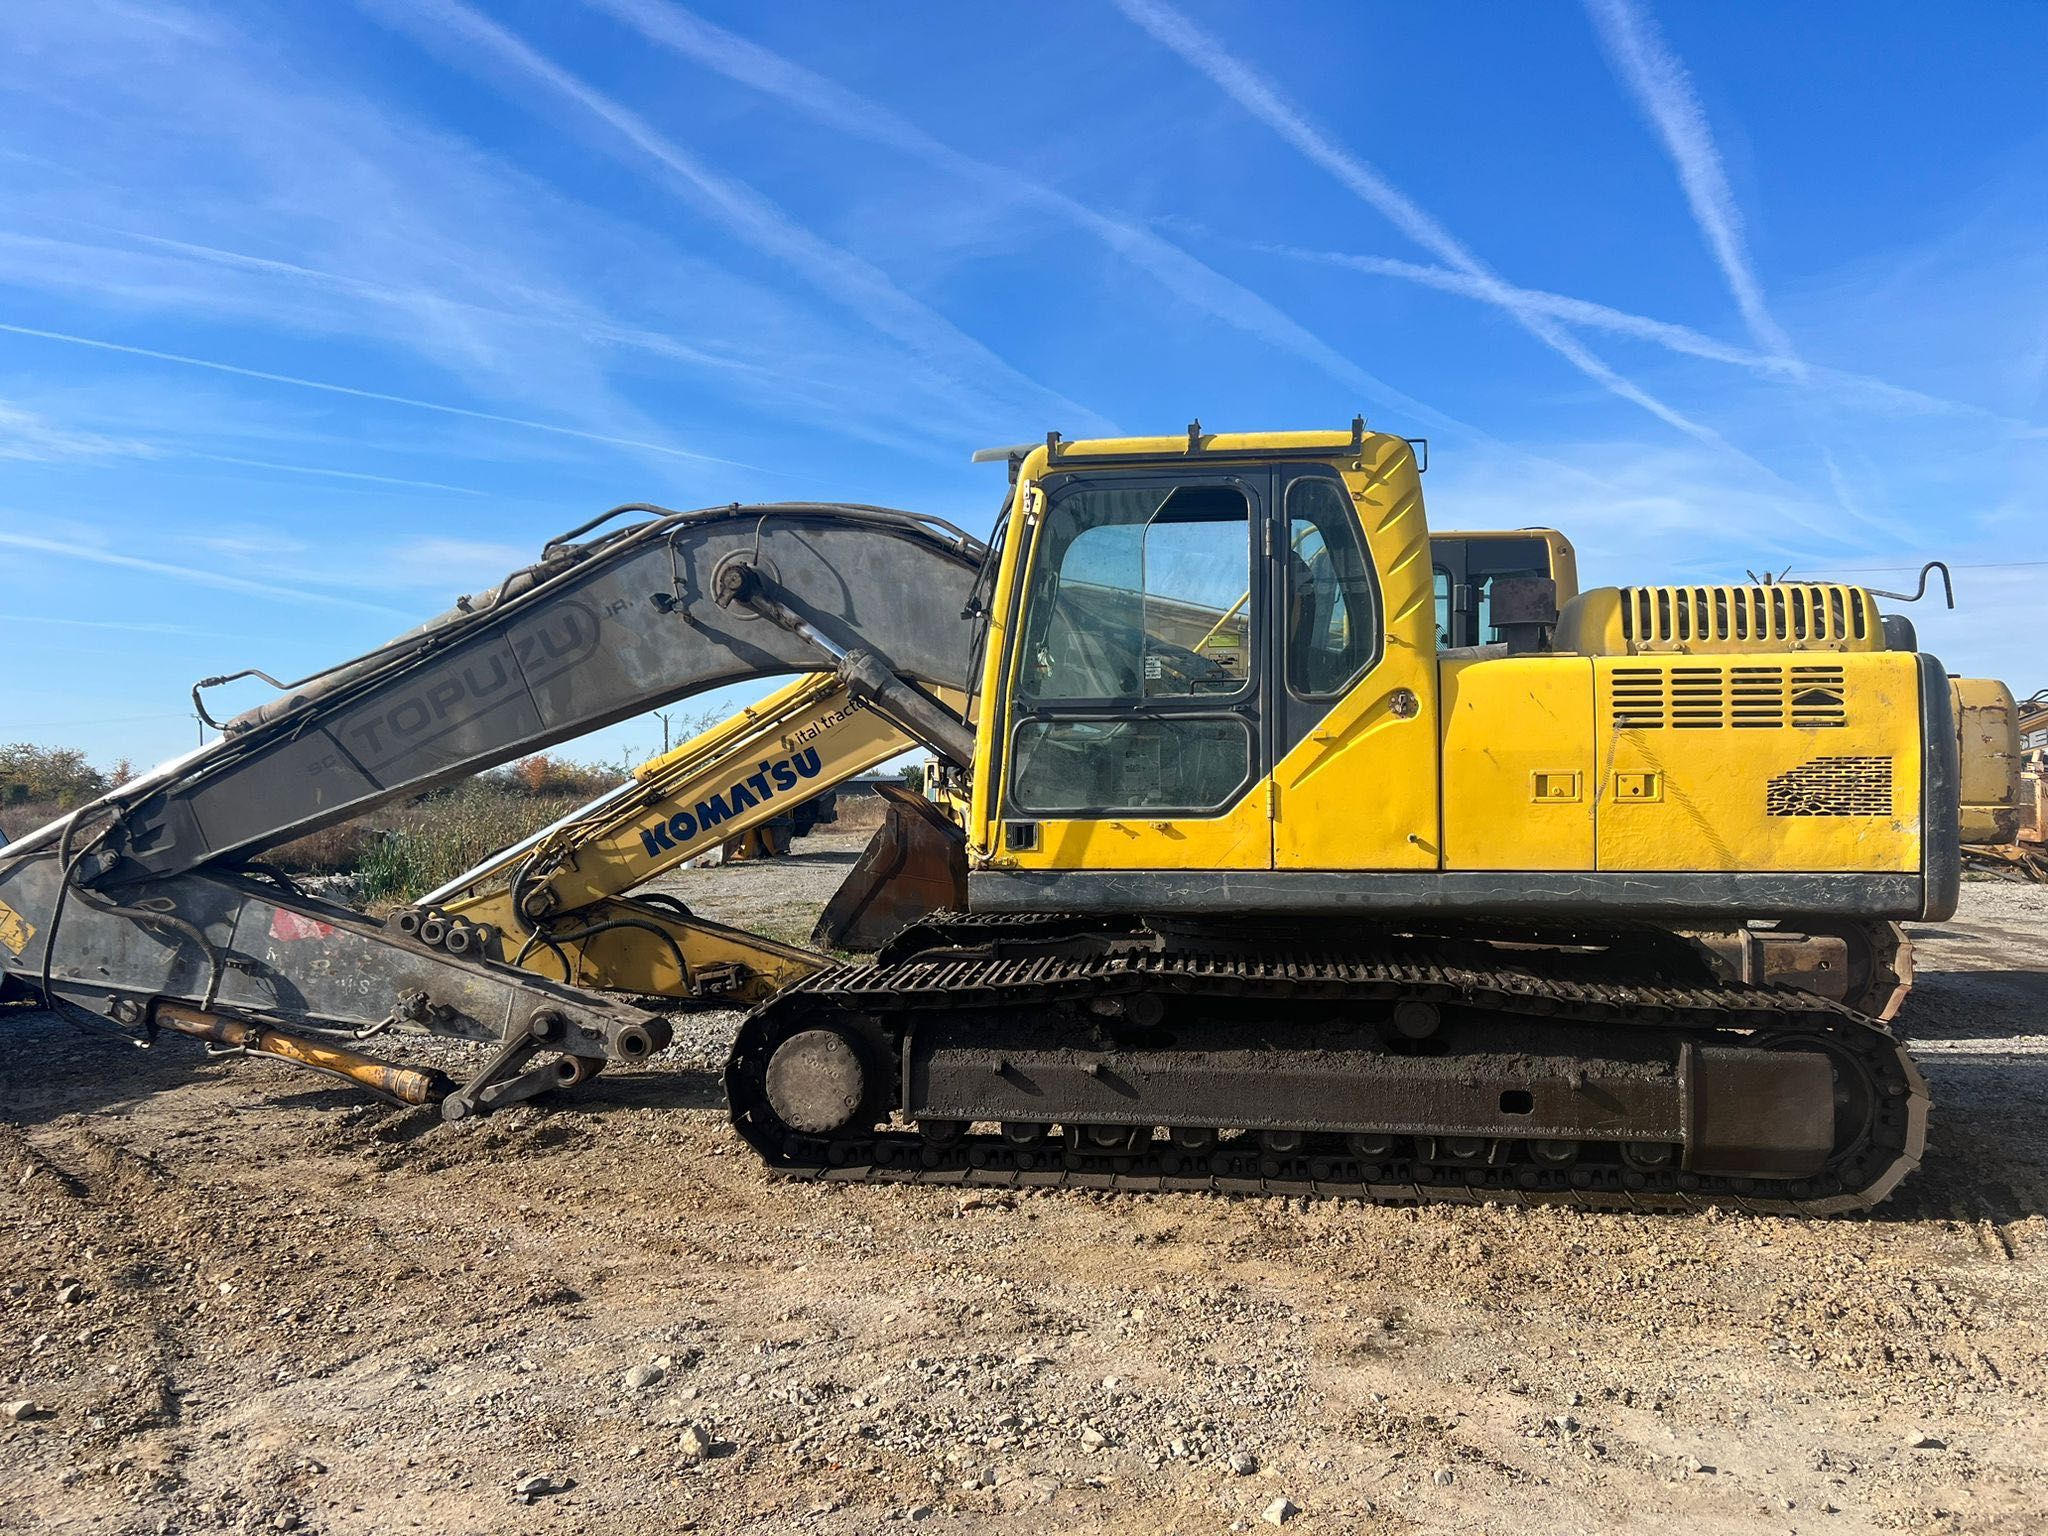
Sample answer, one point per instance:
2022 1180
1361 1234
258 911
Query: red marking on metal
289 926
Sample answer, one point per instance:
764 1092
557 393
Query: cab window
1140 595
1332 622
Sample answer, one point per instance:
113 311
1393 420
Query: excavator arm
149 906
557 902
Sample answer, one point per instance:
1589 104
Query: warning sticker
15 931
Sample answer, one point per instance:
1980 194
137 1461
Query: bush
544 775
27 816
58 775
437 838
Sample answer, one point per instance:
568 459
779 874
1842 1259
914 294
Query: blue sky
312 317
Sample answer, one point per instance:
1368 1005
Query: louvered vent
1813 613
1833 786
1709 698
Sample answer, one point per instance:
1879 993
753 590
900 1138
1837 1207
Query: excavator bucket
915 865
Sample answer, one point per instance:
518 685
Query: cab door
1351 674
1137 686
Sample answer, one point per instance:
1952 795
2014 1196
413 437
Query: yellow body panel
1239 838
1710 729
1518 750
1359 792
1759 763
1988 735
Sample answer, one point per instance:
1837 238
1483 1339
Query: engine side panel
1760 762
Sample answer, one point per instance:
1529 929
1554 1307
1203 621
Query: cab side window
1331 619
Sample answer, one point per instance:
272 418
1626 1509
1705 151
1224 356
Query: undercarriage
1109 1054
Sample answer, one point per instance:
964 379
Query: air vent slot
1832 786
1813 613
1638 698
1729 698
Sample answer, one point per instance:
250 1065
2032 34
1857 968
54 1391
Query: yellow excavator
1273 883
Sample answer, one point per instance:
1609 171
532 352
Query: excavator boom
151 897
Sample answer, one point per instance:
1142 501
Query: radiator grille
1833 786
1739 698
1821 613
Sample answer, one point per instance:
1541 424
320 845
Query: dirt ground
244 1300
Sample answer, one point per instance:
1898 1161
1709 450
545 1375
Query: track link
1037 968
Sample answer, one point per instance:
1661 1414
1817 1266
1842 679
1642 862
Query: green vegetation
398 852
436 839
38 783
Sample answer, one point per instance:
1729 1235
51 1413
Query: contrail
365 394
1682 339
1663 89
1182 274
588 327
831 397
1258 97
193 574
839 274
315 469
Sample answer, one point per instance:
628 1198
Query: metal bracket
1948 585
475 1096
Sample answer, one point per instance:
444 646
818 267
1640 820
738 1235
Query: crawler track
1042 974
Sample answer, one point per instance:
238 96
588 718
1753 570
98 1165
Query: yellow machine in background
558 902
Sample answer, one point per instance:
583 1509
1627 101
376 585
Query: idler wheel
816 1082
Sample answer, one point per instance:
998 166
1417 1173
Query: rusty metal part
1816 963
1865 966
2019 861
915 865
400 1085
1697 1111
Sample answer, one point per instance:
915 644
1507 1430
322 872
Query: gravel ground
243 1300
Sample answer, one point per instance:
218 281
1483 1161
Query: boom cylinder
406 1085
